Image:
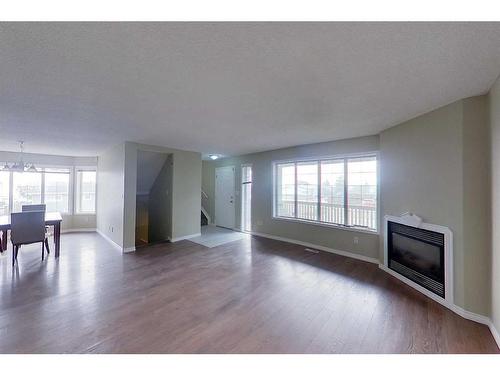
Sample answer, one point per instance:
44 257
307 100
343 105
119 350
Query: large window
26 189
50 186
337 191
85 191
57 190
4 192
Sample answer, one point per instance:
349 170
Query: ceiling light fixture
213 157
20 166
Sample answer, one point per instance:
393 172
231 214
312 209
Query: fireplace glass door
417 254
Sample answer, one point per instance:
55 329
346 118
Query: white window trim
75 190
42 186
72 191
321 223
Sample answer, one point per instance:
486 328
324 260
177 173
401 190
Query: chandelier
20 166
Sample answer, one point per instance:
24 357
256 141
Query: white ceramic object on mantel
409 218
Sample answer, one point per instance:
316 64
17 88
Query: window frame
72 191
70 185
76 191
340 157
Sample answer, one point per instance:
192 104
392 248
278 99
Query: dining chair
36 207
33 207
27 228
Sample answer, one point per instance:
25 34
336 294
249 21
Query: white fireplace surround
415 221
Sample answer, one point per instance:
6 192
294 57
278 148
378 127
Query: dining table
53 219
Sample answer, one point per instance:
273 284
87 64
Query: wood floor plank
254 295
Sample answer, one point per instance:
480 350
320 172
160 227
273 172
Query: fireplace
417 254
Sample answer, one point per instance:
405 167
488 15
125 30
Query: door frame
234 194
242 203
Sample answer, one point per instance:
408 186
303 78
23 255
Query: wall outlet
356 240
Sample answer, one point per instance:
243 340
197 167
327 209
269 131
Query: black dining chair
27 228
33 207
36 207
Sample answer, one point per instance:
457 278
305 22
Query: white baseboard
319 247
494 332
115 245
469 315
177 239
129 249
73 230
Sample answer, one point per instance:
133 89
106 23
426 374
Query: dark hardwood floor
250 296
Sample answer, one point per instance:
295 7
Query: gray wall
476 205
110 193
436 167
494 101
160 204
262 197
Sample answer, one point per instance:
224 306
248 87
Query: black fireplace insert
417 254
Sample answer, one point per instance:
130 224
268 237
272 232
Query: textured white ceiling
230 88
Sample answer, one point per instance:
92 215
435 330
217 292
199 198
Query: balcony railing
358 216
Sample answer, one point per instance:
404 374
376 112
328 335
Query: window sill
326 225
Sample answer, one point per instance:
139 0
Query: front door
224 197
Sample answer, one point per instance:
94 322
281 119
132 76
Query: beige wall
110 193
494 101
436 167
262 197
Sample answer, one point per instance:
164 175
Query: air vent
417 277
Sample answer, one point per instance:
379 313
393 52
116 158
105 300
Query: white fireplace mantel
417 222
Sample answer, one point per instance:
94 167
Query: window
57 190
285 189
362 192
26 189
52 186
4 192
337 191
85 191
332 192
307 190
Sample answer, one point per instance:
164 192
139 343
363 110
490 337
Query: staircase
205 217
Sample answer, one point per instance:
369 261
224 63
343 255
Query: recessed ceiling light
213 157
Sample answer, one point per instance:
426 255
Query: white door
224 197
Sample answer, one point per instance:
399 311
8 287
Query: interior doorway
224 197
153 199
246 198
